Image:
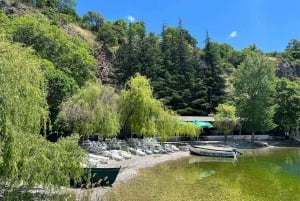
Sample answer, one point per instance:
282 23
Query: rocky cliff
287 69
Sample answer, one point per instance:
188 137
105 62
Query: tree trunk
125 133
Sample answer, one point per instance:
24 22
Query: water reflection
203 159
268 174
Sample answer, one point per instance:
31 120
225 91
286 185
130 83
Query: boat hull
212 152
97 177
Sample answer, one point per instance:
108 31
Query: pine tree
213 76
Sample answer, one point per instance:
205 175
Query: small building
199 118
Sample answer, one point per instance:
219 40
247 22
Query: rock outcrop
287 69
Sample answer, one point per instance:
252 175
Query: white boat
213 151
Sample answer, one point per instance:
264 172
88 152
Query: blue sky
270 24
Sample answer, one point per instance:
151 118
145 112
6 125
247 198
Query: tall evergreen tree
213 76
178 49
185 69
151 59
199 88
127 61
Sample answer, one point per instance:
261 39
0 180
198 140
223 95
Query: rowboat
97 177
213 151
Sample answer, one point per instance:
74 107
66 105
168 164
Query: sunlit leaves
254 89
188 128
43 162
143 114
138 108
68 53
59 85
22 88
26 156
92 110
93 19
225 118
287 115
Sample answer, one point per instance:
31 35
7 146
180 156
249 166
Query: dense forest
68 73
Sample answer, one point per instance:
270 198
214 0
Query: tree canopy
141 113
47 75
287 114
254 92
93 109
93 19
24 110
225 119
67 60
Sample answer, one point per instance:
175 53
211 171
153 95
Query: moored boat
213 152
97 177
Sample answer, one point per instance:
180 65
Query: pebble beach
129 169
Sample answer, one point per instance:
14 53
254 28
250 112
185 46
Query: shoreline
130 167
129 170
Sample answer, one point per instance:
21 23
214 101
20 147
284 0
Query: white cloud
233 34
130 18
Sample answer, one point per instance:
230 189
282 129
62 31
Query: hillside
113 51
66 75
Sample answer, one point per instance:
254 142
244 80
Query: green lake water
268 174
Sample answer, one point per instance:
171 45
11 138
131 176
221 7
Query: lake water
268 174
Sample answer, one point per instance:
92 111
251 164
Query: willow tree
143 114
92 110
26 156
254 90
225 119
189 129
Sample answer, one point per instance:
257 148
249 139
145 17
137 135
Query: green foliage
39 161
68 53
287 115
60 86
179 72
166 125
142 113
252 49
26 156
225 118
187 128
67 61
23 106
22 90
189 81
254 91
93 20
92 110
150 62
138 109
212 76
120 28
113 34
129 55
292 50
107 35
59 5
